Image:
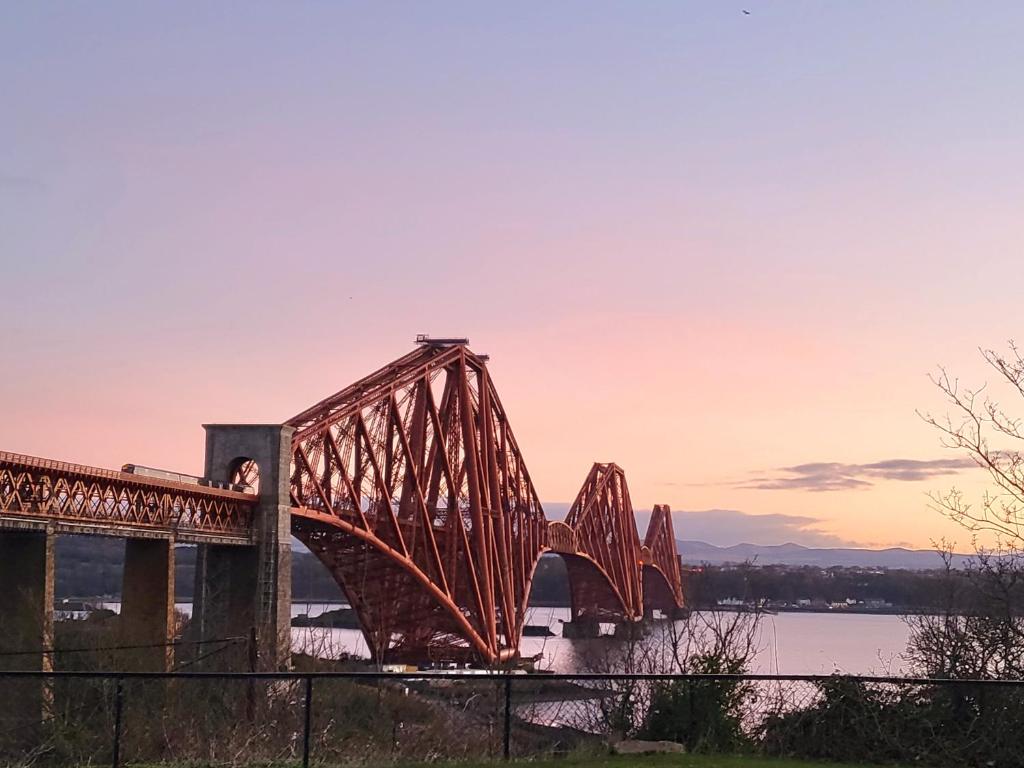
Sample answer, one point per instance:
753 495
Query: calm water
790 643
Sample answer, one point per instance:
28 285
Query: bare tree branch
974 420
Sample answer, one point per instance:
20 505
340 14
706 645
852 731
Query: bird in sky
746 12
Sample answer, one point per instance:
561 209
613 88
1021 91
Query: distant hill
697 552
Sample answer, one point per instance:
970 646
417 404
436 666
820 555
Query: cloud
725 527
834 476
912 469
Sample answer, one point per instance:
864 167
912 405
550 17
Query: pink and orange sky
722 250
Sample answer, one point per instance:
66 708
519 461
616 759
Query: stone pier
26 609
631 630
147 604
582 628
224 605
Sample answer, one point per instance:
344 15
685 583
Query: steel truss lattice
409 485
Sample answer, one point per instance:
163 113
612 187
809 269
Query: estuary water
789 643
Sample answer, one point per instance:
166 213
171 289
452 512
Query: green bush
933 725
703 715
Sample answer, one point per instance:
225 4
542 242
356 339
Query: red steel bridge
410 487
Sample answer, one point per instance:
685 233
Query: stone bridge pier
27 569
26 614
243 592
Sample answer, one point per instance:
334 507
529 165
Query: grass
608 761
612 761
599 761
663 761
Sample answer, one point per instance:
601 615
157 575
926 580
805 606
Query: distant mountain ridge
697 552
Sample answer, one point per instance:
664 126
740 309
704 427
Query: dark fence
365 718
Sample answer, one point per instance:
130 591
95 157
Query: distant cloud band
835 476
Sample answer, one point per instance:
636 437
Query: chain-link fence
97 718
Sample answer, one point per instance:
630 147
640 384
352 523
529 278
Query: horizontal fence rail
82 717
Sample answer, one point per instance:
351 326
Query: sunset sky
723 250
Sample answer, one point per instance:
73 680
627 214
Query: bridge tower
241 591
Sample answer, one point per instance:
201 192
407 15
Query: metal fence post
507 743
308 724
118 712
693 717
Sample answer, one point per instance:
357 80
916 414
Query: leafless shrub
978 632
991 436
701 642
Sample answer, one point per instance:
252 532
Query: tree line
92 567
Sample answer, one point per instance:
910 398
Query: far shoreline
98 601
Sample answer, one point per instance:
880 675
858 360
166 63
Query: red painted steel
410 487
78 498
603 560
660 560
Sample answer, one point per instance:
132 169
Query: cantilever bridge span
408 485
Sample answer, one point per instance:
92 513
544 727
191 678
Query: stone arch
244 471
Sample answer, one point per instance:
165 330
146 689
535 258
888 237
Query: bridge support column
262 575
224 606
26 615
631 630
147 603
582 628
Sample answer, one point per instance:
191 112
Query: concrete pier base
26 617
671 613
583 628
631 630
147 604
